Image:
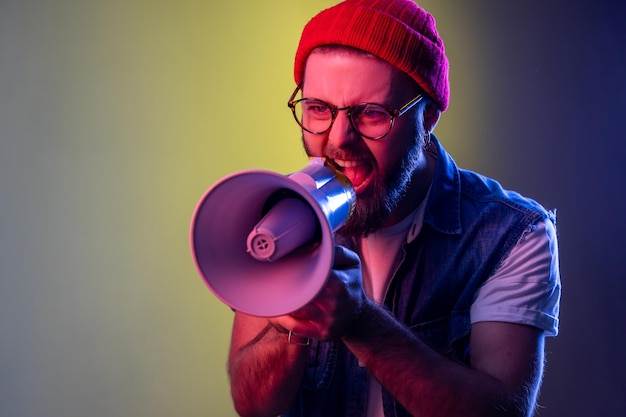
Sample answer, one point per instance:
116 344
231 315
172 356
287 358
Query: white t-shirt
518 292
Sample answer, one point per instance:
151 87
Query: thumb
345 258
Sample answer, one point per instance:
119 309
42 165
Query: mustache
354 152
332 152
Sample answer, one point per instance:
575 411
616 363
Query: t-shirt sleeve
526 288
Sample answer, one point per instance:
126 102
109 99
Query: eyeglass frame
393 113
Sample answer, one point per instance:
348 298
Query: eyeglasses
372 121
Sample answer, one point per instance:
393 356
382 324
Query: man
444 285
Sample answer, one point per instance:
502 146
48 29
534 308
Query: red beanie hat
398 31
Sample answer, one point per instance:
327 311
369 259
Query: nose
342 133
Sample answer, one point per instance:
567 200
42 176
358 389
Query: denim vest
470 224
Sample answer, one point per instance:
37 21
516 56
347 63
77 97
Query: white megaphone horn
264 242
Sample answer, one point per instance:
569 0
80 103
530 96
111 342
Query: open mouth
356 171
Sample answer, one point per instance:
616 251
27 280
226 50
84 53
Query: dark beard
373 210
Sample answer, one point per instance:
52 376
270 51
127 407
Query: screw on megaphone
289 224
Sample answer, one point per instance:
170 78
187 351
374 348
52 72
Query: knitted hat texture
397 31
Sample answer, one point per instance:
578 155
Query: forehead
350 74
346 74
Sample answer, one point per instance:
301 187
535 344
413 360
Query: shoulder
478 188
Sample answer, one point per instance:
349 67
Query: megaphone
264 242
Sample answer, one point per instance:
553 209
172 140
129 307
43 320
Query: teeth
345 164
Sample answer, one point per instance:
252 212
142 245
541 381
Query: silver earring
427 140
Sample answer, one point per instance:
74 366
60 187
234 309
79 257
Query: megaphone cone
264 242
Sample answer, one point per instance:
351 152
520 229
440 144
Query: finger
345 258
301 321
309 312
288 324
284 324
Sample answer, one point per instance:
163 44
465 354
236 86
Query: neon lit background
115 116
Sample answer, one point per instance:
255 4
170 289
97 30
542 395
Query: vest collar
443 208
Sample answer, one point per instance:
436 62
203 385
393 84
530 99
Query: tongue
357 174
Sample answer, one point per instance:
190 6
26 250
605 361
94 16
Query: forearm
265 373
423 381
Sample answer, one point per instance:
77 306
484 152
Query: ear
431 116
